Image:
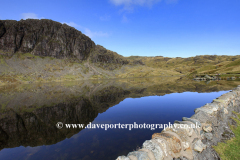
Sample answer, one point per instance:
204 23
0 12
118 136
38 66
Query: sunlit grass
230 149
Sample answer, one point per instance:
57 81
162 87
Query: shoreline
102 79
90 79
192 143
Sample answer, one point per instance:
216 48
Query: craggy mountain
44 50
44 38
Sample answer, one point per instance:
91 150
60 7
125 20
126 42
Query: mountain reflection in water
29 113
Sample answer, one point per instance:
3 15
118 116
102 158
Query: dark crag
43 38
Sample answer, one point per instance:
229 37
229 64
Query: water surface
29 114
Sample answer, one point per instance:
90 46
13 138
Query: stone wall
190 143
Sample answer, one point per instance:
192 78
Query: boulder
163 144
123 158
208 77
173 142
197 122
199 146
209 136
182 130
190 125
141 155
207 128
155 148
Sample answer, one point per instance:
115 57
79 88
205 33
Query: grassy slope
230 149
199 64
104 64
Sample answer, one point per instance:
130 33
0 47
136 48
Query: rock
195 140
149 153
104 56
212 106
197 122
155 148
180 158
185 145
197 79
181 128
208 111
163 143
138 62
184 131
227 97
221 102
209 108
190 124
184 158
123 158
209 136
44 38
208 77
224 110
173 142
207 128
227 133
199 146
202 134
140 155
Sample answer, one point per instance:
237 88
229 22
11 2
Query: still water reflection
28 115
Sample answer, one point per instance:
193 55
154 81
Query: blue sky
170 28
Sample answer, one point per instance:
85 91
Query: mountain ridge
44 50
44 38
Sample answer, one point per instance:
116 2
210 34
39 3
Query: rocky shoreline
193 143
213 78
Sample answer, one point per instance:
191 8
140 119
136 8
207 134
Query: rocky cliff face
107 59
43 38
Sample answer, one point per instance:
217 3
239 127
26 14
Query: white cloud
87 31
128 4
72 24
30 16
92 34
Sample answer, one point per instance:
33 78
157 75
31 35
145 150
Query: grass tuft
230 149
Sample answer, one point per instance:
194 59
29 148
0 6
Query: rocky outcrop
108 59
206 77
193 143
43 38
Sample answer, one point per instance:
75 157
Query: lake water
29 114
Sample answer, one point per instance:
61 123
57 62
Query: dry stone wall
188 143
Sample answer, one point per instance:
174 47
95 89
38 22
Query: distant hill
205 64
44 50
